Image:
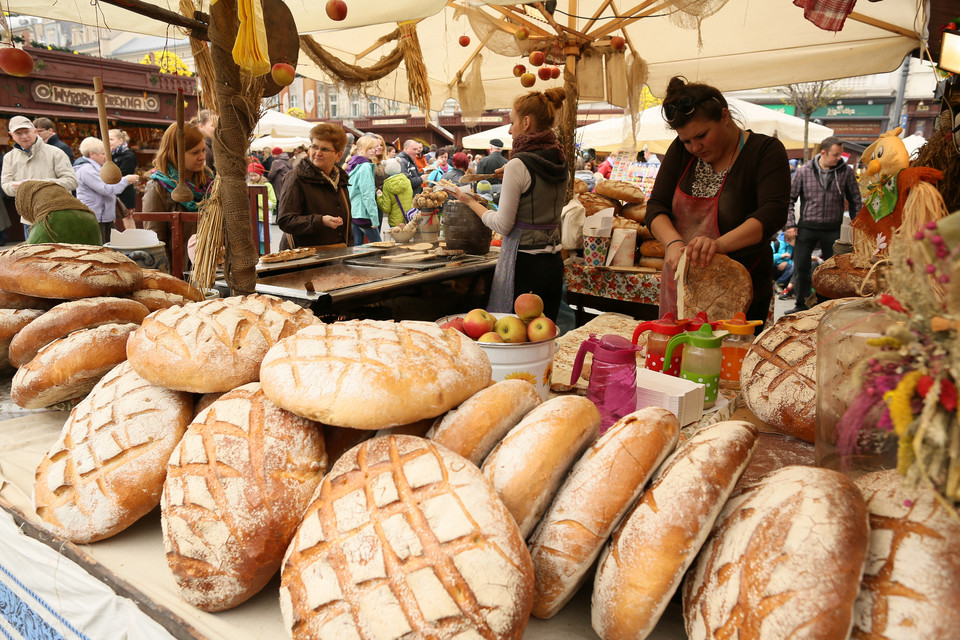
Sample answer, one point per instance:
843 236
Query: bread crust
157 300
12 322
620 190
652 249
651 263
67 271
635 212
11 300
153 279
843 276
528 465
594 202
723 288
595 496
64 319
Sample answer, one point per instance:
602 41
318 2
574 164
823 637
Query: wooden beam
640 11
579 35
522 21
626 36
198 29
596 15
886 26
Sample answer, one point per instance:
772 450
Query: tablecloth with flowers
616 285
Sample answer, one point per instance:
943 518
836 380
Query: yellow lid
739 325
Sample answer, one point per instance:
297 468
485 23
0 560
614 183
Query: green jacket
396 187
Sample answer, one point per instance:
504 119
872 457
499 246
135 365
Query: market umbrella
274 123
481 140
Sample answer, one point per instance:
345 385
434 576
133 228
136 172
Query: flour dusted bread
528 465
12 322
159 281
477 425
65 318
845 276
368 374
236 488
594 202
722 289
911 584
620 190
215 345
783 561
107 468
10 300
405 539
644 562
67 271
597 493
70 367
157 299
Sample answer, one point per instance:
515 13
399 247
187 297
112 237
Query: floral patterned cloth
616 285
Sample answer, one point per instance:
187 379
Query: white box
684 398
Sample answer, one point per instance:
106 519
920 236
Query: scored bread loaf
156 299
12 322
790 550
236 488
643 563
635 212
67 271
11 300
107 468
722 289
845 276
160 281
775 451
416 370
650 263
216 345
481 421
593 202
911 584
599 490
652 249
65 318
405 539
528 465
69 367
620 190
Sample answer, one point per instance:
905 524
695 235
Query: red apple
522 33
528 79
528 306
490 336
336 10
544 73
555 73
511 329
283 74
618 43
456 324
464 41
16 62
478 322
540 329
537 58
519 70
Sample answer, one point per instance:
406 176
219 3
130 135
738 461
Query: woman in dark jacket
314 208
126 159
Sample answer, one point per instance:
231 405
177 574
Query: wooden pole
568 115
163 15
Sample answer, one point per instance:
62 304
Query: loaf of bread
160 281
594 202
528 465
650 263
600 488
67 271
620 190
11 300
477 425
237 485
215 345
405 539
778 378
783 561
418 428
65 318
156 300
845 276
635 212
12 322
579 186
722 289
652 249
775 451
339 440
911 584
367 374
643 564
107 468
69 368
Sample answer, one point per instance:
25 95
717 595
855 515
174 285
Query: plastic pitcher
735 346
613 376
660 333
701 360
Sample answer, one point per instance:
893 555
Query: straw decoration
348 73
204 62
209 239
417 82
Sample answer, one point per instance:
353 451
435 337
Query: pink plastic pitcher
613 376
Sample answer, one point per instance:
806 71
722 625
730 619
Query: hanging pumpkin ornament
250 49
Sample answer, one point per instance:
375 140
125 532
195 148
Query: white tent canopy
913 143
287 144
274 123
481 140
614 134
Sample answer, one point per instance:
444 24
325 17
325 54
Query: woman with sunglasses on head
720 189
314 208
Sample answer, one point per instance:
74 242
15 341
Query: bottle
613 376
734 348
660 333
701 360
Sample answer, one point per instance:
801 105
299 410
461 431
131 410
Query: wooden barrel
463 229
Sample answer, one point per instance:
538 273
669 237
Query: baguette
12 323
67 271
620 190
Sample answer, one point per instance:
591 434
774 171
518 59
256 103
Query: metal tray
433 263
329 277
317 259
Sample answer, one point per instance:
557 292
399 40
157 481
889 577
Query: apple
522 33
544 73
464 41
555 73
16 62
537 58
511 329
528 79
528 306
618 43
283 74
456 324
540 329
336 10
478 322
490 336
519 70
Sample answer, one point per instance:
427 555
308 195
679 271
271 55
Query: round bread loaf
203 401
620 190
594 202
599 490
67 271
643 564
12 322
215 345
11 300
911 584
404 538
650 263
778 378
635 212
416 369
723 288
528 465
68 368
418 428
339 440
477 425
236 487
65 318
843 276
652 249
107 468
790 550
160 281
579 186
156 300
775 451
644 233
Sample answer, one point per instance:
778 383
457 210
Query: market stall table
635 290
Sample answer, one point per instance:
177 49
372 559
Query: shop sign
849 111
857 128
86 97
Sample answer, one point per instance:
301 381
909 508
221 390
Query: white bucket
530 361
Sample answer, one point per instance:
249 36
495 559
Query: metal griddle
432 263
296 280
